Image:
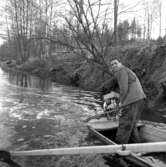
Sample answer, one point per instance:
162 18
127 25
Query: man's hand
120 104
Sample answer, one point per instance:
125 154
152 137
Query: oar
111 149
98 116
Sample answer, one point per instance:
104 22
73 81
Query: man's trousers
127 129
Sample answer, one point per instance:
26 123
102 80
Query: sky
128 15
2 28
140 16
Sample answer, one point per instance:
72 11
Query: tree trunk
115 21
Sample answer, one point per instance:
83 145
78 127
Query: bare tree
21 18
159 7
84 26
116 2
152 14
30 26
87 24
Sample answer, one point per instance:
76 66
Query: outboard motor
110 104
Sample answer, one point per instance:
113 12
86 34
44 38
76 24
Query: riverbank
147 61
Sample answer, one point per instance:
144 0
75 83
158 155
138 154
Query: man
132 99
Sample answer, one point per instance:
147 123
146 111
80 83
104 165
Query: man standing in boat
132 101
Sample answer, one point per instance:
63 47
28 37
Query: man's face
115 65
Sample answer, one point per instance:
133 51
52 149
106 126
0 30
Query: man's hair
115 61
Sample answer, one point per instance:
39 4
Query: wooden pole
111 149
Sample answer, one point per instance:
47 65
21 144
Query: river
36 113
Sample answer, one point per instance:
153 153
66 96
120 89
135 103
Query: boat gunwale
134 158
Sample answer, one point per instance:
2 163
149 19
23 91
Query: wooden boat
105 131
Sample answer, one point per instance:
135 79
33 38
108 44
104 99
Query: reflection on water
37 114
24 80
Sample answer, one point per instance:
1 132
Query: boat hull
148 133
105 131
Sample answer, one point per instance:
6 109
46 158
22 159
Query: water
39 114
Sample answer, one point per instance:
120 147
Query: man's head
115 65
